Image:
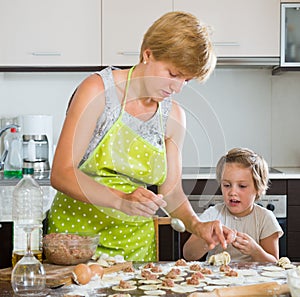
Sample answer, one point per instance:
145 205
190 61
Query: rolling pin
264 289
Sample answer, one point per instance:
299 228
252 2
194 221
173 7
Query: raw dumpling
219 259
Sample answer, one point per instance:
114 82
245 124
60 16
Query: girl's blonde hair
248 159
179 38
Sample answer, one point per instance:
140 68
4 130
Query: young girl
243 178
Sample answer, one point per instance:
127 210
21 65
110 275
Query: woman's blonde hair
179 38
248 159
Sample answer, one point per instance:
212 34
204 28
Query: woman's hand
214 233
141 202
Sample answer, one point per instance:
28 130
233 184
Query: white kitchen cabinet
50 33
123 26
241 28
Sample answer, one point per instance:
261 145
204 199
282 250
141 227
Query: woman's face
162 79
238 189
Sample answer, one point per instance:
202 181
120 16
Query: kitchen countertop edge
286 173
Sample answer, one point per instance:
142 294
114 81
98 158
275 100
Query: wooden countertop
6 290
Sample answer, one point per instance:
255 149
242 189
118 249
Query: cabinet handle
46 54
226 43
124 53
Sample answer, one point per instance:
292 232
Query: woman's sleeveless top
120 234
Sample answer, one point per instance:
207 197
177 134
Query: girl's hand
141 202
245 244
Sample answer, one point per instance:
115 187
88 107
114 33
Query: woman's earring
145 62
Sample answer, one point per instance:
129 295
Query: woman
122 133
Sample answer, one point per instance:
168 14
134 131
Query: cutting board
57 275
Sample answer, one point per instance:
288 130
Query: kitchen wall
243 107
235 107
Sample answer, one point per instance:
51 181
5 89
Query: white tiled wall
232 109
286 119
235 107
243 107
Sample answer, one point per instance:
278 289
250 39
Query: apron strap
127 88
125 99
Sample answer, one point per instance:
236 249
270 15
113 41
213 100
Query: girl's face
238 189
162 79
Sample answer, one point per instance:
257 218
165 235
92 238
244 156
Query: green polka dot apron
122 160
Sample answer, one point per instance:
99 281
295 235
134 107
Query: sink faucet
8 127
4 154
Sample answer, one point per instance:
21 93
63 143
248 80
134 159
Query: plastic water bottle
28 277
27 213
13 143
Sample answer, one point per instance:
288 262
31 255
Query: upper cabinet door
241 28
50 33
124 24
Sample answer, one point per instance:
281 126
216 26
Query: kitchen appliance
37 131
275 203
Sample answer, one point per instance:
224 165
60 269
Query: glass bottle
14 161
